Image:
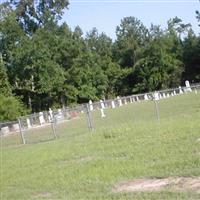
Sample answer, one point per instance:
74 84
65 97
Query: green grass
128 143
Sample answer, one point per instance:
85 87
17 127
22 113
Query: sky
105 15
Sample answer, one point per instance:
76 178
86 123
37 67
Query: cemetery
114 156
97 104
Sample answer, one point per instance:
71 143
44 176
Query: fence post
21 131
157 109
89 117
53 125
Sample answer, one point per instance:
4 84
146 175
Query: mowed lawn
128 143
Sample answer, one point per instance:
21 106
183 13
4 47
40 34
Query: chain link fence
102 115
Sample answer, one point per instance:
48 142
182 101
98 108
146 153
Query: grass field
128 143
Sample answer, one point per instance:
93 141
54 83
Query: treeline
44 64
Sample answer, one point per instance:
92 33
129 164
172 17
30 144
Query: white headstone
102 104
146 97
102 113
156 96
125 102
15 127
41 118
5 130
131 100
174 92
28 123
168 95
112 104
164 96
119 101
188 88
137 98
51 113
195 91
90 105
180 90
49 118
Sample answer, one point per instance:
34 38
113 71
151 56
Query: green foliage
10 108
4 84
49 65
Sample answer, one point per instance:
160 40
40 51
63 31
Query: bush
11 108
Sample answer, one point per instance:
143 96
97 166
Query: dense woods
46 64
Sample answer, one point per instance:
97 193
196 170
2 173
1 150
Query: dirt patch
150 185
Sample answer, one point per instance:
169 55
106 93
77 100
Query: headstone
125 102
156 96
90 105
174 92
28 123
168 95
180 90
102 113
137 99
195 91
41 118
188 88
112 104
146 97
131 100
51 113
49 118
119 101
164 96
15 127
102 104
5 130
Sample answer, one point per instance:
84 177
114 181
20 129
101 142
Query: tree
5 88
131 36
33 14
191 58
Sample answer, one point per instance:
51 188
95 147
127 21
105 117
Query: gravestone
137 99
28 123
119 101
5 130
146 97
188 88
112 104
90 105
168 95
15 127
41 118
174 92
180 90
102 113
125 102
102 104
195 91
51 113
156 96
164 96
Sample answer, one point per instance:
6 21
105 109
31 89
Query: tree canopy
44 63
